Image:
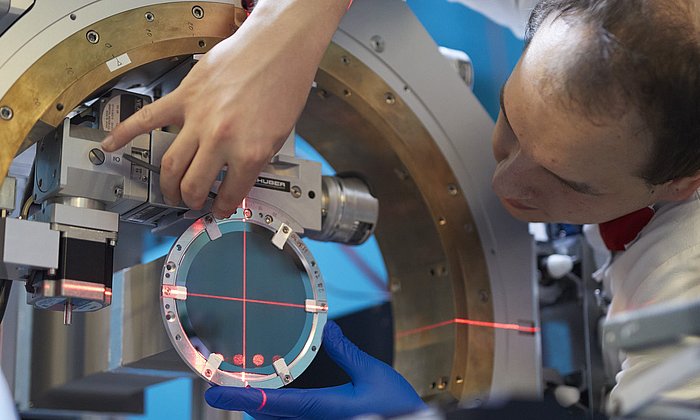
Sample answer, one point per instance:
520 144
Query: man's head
601 116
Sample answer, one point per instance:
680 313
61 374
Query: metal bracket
280 238
315 306
212 228
213 362
282 371
175 292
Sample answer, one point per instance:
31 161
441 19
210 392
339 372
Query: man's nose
514 179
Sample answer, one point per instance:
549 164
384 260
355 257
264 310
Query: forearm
297 31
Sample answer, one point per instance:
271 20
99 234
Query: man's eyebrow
581 187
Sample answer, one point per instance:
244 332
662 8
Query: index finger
158 114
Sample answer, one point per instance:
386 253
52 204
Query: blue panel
493 49
169 400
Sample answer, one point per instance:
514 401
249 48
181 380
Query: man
599 123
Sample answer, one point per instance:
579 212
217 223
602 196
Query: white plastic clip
281 236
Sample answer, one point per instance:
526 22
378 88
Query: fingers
160 113
175 163
270 403
237 183
356 363
237 399
200 176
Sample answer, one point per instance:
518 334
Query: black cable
5 287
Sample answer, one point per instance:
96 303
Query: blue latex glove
375 388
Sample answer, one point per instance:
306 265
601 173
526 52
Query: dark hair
644 54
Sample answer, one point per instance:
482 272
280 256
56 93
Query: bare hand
237 106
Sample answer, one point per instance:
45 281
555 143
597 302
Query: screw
285 230
208 219
247 213
459 380
452 189
92 37
202 43
287 378
6 113
442 221
389 98
345 60
112 242
149 16
118 191
296 192
197 12
178 247
313 348
96 156
322 93
483 296
268 219
207 372
59 107
377 43
442 385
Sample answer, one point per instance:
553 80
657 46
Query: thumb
239 399
355 362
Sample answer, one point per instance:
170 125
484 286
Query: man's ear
682 188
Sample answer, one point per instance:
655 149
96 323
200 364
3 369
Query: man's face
554 163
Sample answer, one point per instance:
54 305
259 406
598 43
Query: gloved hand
375 388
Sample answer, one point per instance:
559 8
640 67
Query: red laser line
264 400
462 321
244 297
262 302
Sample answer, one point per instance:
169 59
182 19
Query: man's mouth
517 204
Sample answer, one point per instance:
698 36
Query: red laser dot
276 358
258 360
238 360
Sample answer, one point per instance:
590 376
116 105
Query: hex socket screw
92 37
197 12
6 113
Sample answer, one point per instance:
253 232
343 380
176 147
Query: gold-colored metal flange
426 232
75 68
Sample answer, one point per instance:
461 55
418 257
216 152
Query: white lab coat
513 14
661 266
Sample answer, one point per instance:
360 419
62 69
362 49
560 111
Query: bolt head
377 43
6 113
92 37
97 156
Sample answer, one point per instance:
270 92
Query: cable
24 213
5 287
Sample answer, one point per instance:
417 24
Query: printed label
273 184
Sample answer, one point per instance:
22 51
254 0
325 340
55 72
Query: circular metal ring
260 325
